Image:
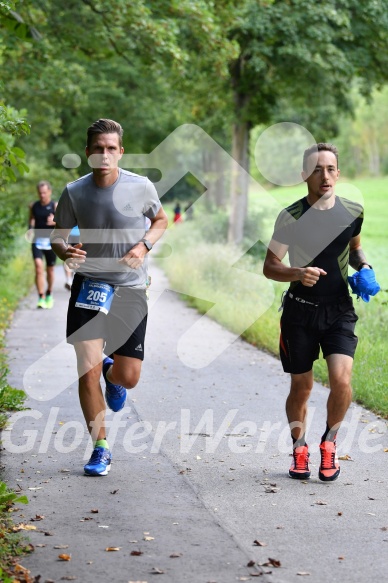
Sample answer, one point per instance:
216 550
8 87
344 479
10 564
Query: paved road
200 466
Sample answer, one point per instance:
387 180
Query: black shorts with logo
309 324
48 254
123 328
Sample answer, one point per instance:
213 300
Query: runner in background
41 220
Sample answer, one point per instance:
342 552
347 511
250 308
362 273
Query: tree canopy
224 65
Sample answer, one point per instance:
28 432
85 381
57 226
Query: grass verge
15 282
241 299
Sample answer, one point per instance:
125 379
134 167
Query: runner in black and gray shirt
321 234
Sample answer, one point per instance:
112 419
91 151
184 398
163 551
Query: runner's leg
125 371
50 277
89 357
340 372
296 404
39 276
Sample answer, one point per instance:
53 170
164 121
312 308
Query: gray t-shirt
111 221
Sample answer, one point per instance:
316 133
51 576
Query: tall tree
308 52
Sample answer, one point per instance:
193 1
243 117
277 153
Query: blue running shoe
115 395
99 463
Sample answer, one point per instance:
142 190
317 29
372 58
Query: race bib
95 295
43 243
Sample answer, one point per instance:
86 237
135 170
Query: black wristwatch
362 265
147 243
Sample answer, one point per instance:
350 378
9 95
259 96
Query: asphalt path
198 491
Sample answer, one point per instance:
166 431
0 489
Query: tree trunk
239 182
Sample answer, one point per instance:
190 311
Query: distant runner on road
41 219
108 307
321 234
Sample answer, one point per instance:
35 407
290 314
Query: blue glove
364 284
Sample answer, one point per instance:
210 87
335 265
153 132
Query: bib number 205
95 295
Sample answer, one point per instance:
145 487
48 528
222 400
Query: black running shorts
306 328
123 328
47 253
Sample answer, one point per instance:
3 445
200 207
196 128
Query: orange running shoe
300 469
329 470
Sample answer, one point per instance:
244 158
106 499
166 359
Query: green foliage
12 544
12 22
307 53
362 139
12 124
10 399
7 497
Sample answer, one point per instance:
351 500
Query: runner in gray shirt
107 308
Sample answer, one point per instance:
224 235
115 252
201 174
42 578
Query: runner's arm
356 254
31 218
274 268
135 256
73 255
159 224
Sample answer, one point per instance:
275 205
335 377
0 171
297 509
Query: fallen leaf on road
175 555
37 517
68 578
346 458
303 573
64 557
65 471
136 553
86 518
386 449
20 569
112 549
115 491
273 563
61 546
148 538
320 503
94 511
259 543
47 533
40 545
255 574
22 526
156 571
271 490
341 558
251 564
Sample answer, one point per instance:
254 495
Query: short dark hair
318 148
43 183
104 126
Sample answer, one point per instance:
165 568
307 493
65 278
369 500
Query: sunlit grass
203 272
